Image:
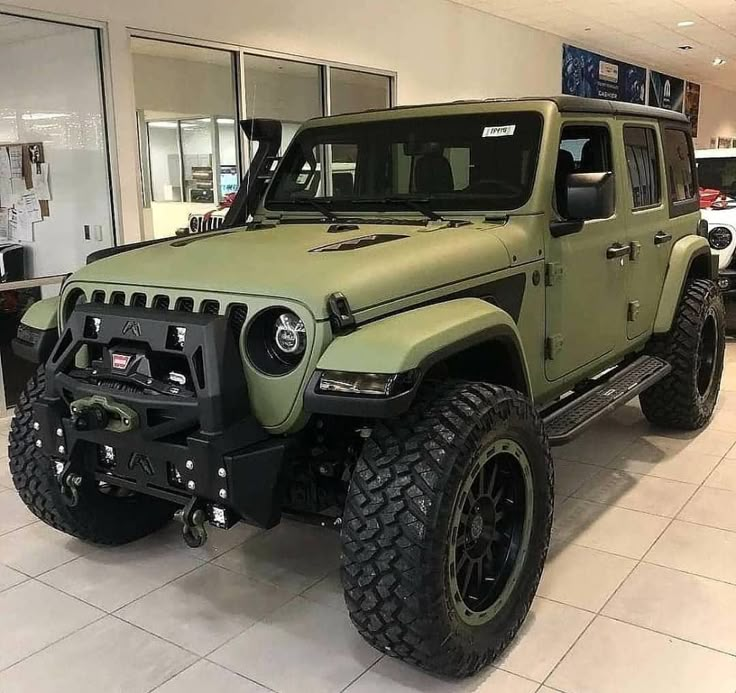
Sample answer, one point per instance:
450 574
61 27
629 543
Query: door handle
618 250
662 237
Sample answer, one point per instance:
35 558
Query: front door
585 281
647 220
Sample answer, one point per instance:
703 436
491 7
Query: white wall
717 114
440 50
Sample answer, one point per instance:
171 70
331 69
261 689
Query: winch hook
193 519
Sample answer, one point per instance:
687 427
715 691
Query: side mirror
588 196
591 196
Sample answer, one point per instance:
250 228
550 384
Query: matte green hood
280 262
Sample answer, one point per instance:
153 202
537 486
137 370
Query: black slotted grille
139 300
236 313
185 304
161 302
210 307
236 318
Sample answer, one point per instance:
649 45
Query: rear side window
642 160
680 170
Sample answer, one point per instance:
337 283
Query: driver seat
433 174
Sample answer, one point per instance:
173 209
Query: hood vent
358 243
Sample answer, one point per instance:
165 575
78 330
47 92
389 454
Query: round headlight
720 238
290 335
276 341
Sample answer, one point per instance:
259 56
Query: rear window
680 168
642 161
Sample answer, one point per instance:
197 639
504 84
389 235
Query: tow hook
69 483
192 516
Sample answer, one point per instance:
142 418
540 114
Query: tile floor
639 593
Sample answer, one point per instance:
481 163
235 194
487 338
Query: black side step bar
572 418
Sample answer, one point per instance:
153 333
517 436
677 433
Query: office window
186 99
284 90
352 91
679 160
642 160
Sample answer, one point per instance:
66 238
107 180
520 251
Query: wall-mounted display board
24 190
692 105
589 74
666 91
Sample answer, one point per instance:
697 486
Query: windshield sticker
499 131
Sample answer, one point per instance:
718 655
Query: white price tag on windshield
499 131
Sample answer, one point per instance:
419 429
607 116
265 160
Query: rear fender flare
690 256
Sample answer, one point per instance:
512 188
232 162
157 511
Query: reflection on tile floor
638 594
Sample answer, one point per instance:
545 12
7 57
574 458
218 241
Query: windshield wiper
319 206
418 205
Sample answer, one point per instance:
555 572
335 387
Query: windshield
718 174
459 162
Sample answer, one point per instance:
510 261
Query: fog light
92 327
176 338
724 283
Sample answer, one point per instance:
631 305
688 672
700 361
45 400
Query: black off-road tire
395 527
98 517
679 400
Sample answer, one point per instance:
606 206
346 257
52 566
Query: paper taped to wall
20 227
40 175
19 188
6 193
30 205
4 163
16 161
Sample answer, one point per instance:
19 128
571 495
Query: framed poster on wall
692 105
666 91
589 74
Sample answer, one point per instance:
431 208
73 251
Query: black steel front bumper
192 439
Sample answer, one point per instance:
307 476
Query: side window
679 159
642 160
583 149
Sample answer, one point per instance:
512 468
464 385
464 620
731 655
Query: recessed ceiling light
717 62
685 48
685 24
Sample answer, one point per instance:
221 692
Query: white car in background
717 177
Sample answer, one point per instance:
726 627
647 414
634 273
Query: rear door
645 211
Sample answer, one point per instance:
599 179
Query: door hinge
633 312
634 250
554 345
553 272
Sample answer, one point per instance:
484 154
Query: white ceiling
644 32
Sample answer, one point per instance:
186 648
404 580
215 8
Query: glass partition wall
189 101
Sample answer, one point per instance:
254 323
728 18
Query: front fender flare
684 255
414 340
38 331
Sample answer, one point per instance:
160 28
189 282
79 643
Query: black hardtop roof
565 104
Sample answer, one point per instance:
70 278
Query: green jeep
396 322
